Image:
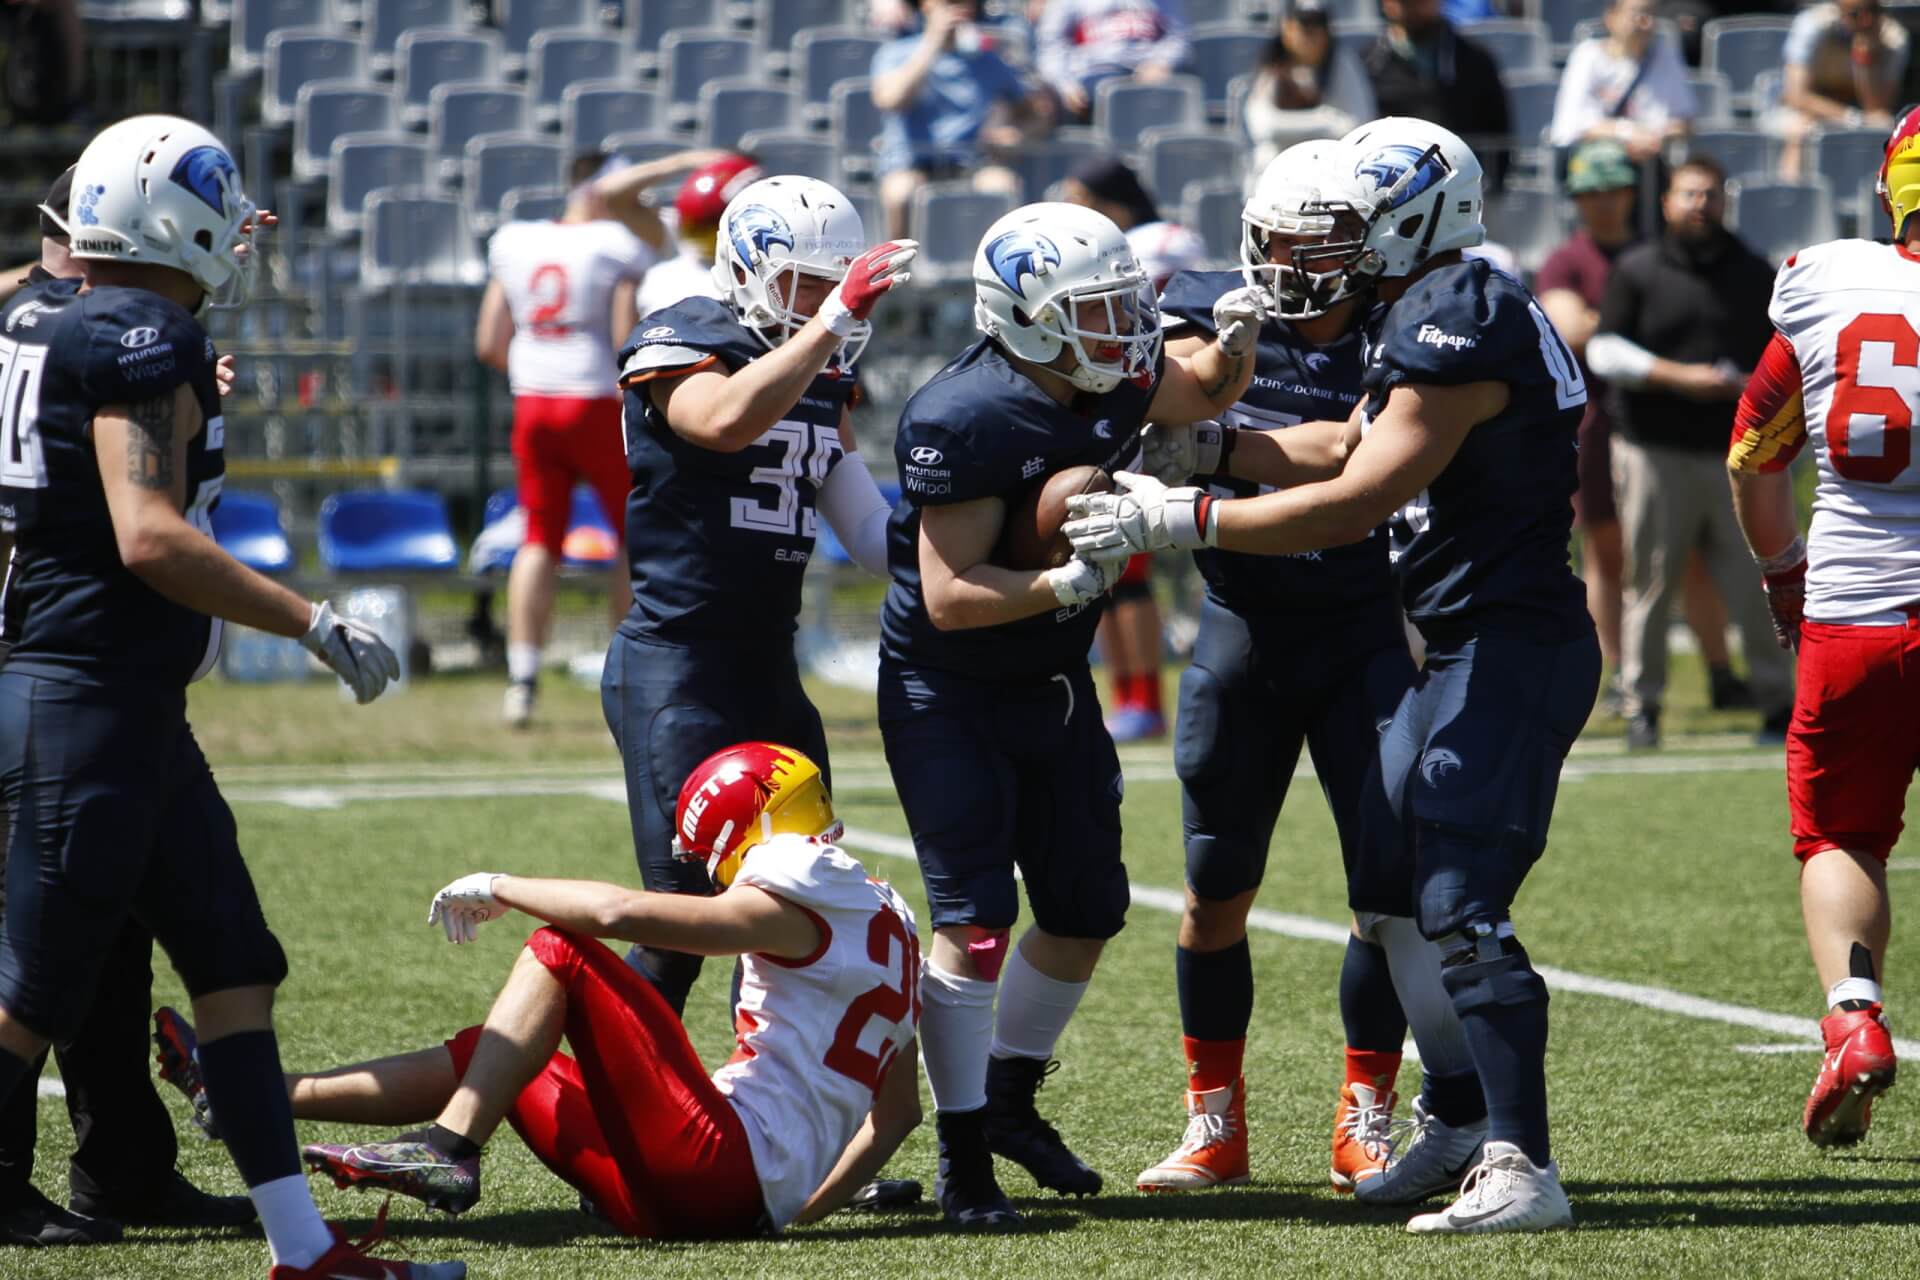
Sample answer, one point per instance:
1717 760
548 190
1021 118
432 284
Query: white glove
1175 454
1237 317
358 655
463 906
1082 580
1142 515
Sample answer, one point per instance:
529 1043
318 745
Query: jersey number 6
888 1003
1851 399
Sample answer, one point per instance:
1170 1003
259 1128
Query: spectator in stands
1682 323
1306 86
1629 85
1420 66
1082 42
697 207
952 103
1845 62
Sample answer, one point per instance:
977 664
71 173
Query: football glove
1237 317
1141 515
1175 454
466 904
1785 578
869 276
1084 579
355 652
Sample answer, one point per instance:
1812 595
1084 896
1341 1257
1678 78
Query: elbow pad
1617 359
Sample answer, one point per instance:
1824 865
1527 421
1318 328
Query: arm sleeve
1770 425
857 512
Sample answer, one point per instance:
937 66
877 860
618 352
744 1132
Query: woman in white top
1306 86
1629 85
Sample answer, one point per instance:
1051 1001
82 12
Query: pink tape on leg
987 949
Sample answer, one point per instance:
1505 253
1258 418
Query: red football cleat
1858 1068
351 1259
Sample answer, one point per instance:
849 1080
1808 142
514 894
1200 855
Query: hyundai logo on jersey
754 230
201 170
1389 165
1021 253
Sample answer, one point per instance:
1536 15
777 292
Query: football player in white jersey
1841 371
824 1083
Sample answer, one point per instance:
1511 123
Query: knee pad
987 949
671 972
1484 965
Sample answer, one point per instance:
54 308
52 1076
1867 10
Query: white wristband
1795 552
834 315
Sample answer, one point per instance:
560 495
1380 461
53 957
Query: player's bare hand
224 375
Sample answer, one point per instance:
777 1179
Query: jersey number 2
1851 400
886 1002
23 464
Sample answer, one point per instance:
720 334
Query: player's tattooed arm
1202 385
150 443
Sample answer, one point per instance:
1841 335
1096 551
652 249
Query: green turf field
1678 1143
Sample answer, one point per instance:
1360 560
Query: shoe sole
1846 1124
348 1178
1171 1188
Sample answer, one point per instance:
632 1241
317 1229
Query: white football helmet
1416 187
1043 270
1289 199
165 191
786 226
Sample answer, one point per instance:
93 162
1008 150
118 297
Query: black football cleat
965 1188
31 1219
1016 1130
886 1195
172 1202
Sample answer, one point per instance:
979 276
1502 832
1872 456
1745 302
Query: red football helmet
743 796
704 196
1899 184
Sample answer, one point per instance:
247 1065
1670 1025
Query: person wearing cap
697 207
1306 86
1628 84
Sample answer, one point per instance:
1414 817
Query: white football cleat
1433 1158
1505 1192
517 707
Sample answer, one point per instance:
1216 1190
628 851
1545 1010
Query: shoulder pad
139 345
1459 325
954 443
687 333
808 873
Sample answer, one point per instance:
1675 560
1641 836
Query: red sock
1375 1068
1146 691
1122 690
1212 1064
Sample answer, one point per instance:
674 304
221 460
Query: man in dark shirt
1683 322
1421 67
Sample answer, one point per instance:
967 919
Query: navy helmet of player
1468 432
1292 651
738 442
110 464
987 707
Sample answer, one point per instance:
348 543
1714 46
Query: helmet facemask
1357 259
1123 341
1304 285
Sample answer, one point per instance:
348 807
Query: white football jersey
687 274
559 279
814 1036
1851 310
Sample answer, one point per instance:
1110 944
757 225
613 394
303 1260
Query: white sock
1034 1010
296 1233
523 663
956 1024
1414 964
1854 989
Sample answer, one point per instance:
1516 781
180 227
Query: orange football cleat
1360 1124
1858 1068
1214 1151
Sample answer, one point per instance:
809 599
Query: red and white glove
1785 578
868 277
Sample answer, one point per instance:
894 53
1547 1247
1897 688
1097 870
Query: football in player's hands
1032 536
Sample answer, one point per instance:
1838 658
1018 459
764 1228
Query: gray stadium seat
1042 164
1842 157
1779 218
729 108
1742 48
1219 54
361 163
1356 38
1767 89
1516 44
429 57
298 56
856 123
414 236
496 163
521 20
648 21
1206 13
557 59
690 59
388 20
1357 12
325 110
1562 16
788 152
1741 152
1713 94
640 146
1213 211
464 110
533 204
777 22
255 20
1125 109
1172 158
1237 108
592 109
1527 220
1530 96
948 220
1871 220
823 57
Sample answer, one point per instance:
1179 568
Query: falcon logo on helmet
1018 254
757 229
208 173
1389 167
744 796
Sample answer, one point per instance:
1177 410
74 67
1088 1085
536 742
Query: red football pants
1854 741
559 441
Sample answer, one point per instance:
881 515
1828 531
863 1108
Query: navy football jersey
1488 538
1294 381
982 429
718 541
74 612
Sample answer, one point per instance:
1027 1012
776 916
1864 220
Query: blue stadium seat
690 59
1842 157
377 531
557 60
732 107
1741 48
327 109
490 554
856 123
637 146
298 56
948 219
247 527
790 152
592 109
1219 54
1172 158
777 22
1213 212
521 20
585 517
1042 164
255 20
533 204
1713 95
1530 96
1562 16
1526 220
588 519
429 57
1124 109
1516 44
1741 152
823 57
459 112
649 21
362 163
415 236
388 20
1779 218
496 163
1205 13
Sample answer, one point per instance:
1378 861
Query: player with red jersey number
821 1089
1840 370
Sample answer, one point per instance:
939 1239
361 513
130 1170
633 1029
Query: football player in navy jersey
987 708
1472 401
110 463
1305 649
737 437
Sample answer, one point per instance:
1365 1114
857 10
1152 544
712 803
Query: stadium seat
412 235
494 549
459 112
1841 157
1237 109
636 146
298 56
856 123
788 152
777 22
427 58
377 531
1125 109
1516 44
247 527
822 58
388 20
649 21
732 107
1768 87
691 59
1213 212
361 163
1207 13
1526 220
591 542
1713 95
521 20
592 109
496 163
948 219
1042 164
1356 12
1871 220
1219 54
1742 48
1172 158
1560 17
1530 96
255 20
1356 38
557 60
1741 152
533 204
325 110
1779 218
